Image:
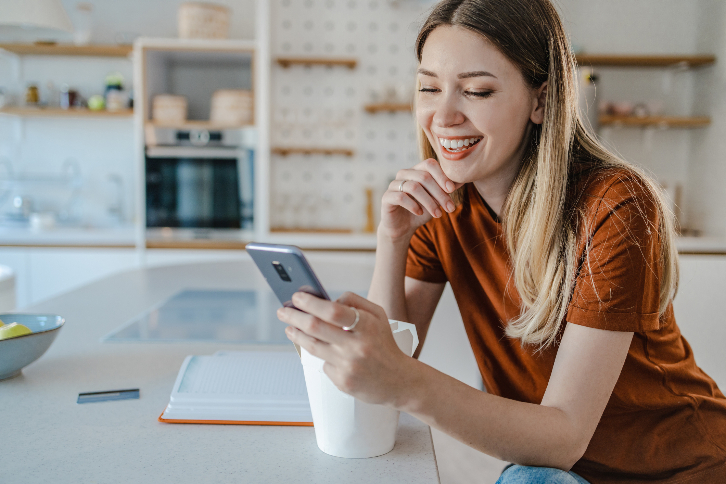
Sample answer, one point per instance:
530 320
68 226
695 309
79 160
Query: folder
247 388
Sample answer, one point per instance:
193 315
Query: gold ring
400 187
357 318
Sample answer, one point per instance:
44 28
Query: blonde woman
562 260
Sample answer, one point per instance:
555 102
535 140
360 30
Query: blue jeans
515 474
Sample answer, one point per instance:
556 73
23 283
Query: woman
562 260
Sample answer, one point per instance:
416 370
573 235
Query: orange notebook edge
231 422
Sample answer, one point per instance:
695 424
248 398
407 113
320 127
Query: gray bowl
17 353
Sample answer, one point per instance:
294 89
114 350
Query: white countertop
56 440
68 236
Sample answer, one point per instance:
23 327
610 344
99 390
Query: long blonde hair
540 219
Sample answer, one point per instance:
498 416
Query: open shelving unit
284 151
618 60
655 121
388 107
286 62
91 50
53 112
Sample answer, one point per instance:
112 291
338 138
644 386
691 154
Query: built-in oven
200 179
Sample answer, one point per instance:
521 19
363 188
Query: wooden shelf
67 113
389 107
656 121
312 151
285 230
317 61
607 60
98 50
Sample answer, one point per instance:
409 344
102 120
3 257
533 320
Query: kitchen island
49 437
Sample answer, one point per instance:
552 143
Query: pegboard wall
323 107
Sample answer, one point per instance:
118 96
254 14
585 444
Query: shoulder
619 196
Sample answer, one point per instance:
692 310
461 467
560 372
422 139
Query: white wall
649 27
707 171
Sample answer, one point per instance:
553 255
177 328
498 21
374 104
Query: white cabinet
700 311
43 273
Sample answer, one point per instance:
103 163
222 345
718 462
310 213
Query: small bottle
31 95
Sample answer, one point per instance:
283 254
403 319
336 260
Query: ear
538 106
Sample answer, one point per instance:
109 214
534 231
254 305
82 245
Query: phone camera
281 271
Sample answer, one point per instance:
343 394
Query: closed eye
483 94
427 89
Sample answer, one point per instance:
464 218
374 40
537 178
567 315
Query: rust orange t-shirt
666 419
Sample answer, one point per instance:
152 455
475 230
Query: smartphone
286 271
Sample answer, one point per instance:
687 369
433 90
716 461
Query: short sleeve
423 262
617 285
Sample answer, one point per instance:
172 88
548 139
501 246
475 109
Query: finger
424 198
329 311
311 325
403 200
352 299
431 184
313 346
434 167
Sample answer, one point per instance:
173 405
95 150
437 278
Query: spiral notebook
252 388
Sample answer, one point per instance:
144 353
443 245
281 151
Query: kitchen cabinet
700 313
42 273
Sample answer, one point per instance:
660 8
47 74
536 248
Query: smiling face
474 107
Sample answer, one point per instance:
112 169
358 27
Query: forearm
518 432
387 286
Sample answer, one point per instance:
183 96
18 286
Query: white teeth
457 144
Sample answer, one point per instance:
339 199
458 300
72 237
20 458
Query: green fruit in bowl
13 330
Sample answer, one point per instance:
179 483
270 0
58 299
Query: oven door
193 187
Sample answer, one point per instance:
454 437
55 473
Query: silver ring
357 318
400 187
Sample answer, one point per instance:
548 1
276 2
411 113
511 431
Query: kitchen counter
55 439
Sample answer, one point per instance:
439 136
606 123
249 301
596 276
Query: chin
454 174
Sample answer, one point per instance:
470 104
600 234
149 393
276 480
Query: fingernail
450 186
450 206
437 213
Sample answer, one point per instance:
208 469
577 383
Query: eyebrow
463 75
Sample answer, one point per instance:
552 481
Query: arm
367 364
402 298
556 432
415 197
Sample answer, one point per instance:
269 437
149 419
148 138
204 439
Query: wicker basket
169 109
231 107
203 21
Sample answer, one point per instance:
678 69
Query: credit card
93 397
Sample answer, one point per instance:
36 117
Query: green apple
13 330
96 103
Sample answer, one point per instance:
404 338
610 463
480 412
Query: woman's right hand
425 193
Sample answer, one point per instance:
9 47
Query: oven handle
192 152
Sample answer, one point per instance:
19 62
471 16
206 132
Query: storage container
169 109
203 21
231 107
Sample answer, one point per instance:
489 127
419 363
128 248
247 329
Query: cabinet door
55 271
17 260
699 309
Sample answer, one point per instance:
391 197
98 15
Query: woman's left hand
364 362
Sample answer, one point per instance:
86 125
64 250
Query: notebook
253 388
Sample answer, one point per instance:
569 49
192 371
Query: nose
448 112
